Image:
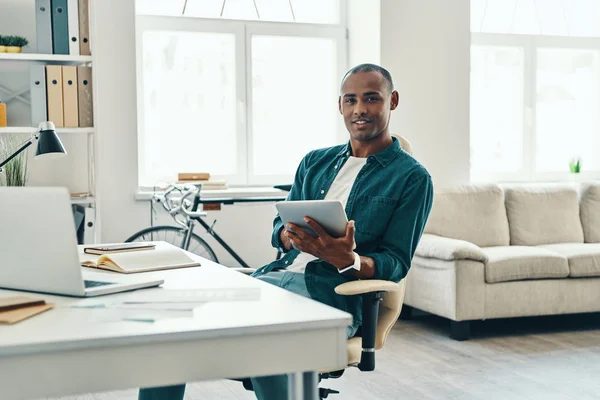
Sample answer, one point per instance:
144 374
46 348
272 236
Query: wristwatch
354 267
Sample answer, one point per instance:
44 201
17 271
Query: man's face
366 103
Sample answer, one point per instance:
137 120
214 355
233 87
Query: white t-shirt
339 190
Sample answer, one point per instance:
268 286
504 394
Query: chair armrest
366 286
443 248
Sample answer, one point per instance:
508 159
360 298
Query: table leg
303 386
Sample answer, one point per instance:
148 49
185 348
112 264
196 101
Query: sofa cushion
515 263
474 213
590 212
584 258
543 215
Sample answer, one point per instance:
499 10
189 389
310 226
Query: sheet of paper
192 295
102 310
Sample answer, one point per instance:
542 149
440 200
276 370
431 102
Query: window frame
530 45
243 31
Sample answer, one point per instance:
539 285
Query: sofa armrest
443 248
366 286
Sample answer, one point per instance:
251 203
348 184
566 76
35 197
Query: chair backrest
391 305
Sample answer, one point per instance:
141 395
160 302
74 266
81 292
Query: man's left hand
335 251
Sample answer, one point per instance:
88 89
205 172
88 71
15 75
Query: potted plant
575 166
2 44
14 173
15 44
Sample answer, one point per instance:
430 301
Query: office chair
382 303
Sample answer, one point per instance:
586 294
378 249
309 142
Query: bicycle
184 236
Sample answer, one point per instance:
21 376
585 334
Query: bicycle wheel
174 235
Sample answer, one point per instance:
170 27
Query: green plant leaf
15 171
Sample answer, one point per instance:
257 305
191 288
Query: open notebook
164 256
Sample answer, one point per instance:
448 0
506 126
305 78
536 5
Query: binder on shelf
89 230
37 93
43 26
84 28
84 92
55 95
70 102
60 27
73 25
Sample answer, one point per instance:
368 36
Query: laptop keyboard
92 284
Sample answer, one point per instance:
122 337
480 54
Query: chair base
324 393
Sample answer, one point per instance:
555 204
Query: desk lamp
49 145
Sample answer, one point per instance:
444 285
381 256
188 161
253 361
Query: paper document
192 295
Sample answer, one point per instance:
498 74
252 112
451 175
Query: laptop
38 247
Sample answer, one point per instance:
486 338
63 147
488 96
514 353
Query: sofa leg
406 313
460 330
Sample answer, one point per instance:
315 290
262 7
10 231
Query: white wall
425 44
364 26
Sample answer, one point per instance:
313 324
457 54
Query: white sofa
496 252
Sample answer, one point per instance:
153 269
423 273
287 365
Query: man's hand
335 251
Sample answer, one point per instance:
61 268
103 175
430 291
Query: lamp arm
22 147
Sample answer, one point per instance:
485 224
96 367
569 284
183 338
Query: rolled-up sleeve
395 252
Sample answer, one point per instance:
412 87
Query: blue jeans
272 387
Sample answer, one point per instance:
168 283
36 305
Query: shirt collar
384 157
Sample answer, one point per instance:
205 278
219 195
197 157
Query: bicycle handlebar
181 205
184 208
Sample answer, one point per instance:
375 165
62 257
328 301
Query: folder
55 95
43 26
84 92
37 94
10 317
89 233
16 302
70 102
73 26
84 28
60 27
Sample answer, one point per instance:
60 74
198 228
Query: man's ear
395 100
340 104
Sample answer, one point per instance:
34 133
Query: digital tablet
329 214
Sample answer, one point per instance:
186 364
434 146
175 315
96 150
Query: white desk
67 351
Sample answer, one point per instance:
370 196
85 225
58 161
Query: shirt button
347 153
322 192
335 167
285 262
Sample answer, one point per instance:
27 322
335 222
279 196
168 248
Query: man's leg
275 387
162 393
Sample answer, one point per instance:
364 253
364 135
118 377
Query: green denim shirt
389 202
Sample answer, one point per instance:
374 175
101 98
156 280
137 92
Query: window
535 89
242 100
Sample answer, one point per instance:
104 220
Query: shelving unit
77 141
83 200
46 58
30 130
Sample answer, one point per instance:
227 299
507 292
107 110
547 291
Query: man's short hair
371 68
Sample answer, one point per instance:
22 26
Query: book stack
18 308
201 178
61 94
63 27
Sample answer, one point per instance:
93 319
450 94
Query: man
387 195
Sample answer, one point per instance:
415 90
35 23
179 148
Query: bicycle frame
211 231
